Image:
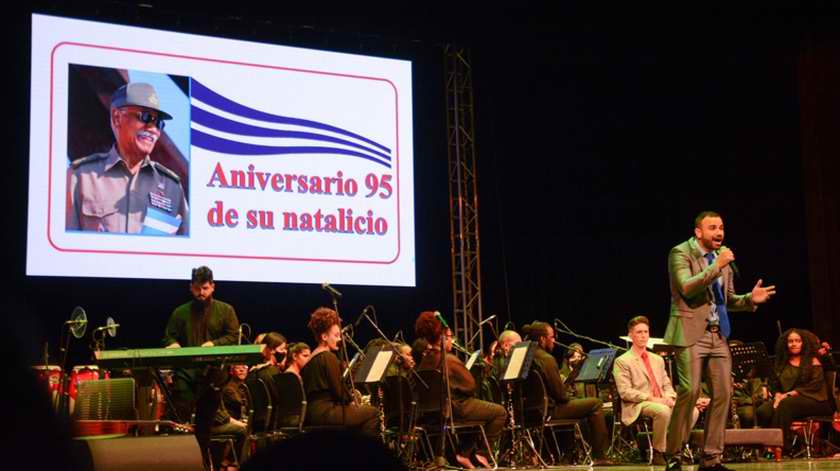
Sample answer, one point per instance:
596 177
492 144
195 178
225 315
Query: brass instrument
733 406
461 349
380 394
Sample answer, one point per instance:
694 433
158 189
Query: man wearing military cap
123 190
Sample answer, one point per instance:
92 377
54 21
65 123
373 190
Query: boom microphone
329 289
361 316
487 320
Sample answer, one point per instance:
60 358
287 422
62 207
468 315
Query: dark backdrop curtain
819 77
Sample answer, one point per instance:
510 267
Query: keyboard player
206 322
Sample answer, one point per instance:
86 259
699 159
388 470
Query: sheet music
471 360
517 357
377 370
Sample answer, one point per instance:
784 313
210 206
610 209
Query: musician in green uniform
123 190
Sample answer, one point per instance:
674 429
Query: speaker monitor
172 453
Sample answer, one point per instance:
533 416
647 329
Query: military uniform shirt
104 196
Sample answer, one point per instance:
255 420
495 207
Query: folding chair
429 414
537 416
807 424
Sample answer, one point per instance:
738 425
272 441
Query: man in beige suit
702 293
644 386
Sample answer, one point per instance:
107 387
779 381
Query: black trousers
491 414
593 410
365 419
790 409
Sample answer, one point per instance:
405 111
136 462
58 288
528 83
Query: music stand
374 366
597 366
516 368
748 356
471 360
518 364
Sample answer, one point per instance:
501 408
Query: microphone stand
63 399
566 330
445 400
346 360
349 338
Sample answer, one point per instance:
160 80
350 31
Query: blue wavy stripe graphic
219 123
206 95
225 146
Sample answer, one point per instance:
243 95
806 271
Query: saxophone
380 394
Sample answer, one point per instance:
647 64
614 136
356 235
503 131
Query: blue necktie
720 301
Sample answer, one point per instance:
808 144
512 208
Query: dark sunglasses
147 117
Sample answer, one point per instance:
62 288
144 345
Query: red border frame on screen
256 257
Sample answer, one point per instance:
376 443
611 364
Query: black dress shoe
715 467
673 463
658 459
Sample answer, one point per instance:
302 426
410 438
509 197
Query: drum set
63 383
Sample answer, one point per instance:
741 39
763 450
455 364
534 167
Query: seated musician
299 354
274 355
401 366
570 368
206 322
232 414
463 388
747 394
572 361
798 388
328 396
822 349
644 386
274 352
560 405
489 352
507 339
419 349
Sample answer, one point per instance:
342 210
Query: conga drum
49 376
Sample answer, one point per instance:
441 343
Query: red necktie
653 383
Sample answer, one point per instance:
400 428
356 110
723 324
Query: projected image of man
123 190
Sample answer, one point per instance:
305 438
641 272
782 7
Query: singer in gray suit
702 292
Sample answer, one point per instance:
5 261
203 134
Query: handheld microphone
732 263
440 318
329 289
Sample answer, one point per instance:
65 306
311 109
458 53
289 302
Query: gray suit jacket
691 293
634 385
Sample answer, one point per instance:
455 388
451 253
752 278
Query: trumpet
461 349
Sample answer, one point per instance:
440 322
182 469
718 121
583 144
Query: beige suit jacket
691 294
634 385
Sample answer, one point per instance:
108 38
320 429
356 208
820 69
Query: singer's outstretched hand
761 294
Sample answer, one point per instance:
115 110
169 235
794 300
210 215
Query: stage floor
822 464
